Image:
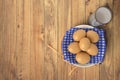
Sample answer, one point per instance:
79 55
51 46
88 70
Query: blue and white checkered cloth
101 44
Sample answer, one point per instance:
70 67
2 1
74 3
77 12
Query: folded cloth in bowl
101 44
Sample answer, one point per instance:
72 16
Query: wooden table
29 28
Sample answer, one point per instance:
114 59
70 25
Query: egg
93 50
74 47
93 36
82 58
79 34
84 44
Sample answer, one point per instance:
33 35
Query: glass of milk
102 16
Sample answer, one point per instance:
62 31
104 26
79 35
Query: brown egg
93 36
82 58
84 44
79 34
74 47
93 50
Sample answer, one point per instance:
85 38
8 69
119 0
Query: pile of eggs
84 45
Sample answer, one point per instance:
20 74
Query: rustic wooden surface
27 27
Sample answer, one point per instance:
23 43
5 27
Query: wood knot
42 36
91 13
18 26
87 2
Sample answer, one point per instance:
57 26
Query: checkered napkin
101 44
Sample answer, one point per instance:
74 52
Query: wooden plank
78 17
107 67
116 36
37 41
78 12
64 23
26 40
9 39
1 37
19 38
23 39
1 28
91 6
50 58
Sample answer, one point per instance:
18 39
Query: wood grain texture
37 40
64 23
27 27
92 73
1 37
116 38
9 38
50 57
107 67
19 38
